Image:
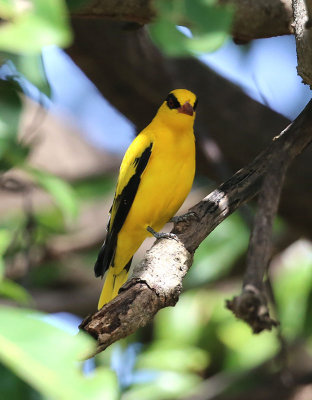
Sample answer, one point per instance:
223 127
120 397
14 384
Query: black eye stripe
172 101
195 104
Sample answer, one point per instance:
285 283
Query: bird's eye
172 101
195 104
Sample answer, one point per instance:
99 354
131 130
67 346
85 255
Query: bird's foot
161 235
185 217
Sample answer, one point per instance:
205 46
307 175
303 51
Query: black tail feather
99 268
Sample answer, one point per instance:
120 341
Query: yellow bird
155 177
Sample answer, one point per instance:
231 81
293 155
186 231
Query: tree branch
157 281
303 34
138 11
251 304
260 19
253 19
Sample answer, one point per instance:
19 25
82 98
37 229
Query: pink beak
186 109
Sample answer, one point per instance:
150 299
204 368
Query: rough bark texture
303 34
157 282
253 19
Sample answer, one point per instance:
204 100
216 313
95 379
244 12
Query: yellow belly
164 185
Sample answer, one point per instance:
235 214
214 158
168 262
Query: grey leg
161 235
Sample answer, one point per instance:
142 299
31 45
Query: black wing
122 204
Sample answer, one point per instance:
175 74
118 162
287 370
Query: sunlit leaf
167 385
48 222
218 253
7 8
15 292
292 287
166 35
33 25
245 349
47 358
208 21
165 355
186 320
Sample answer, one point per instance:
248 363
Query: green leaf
167 385
217 254
246 350
12 153
13 388
31 67
165 34
7 8
5 240
93 187
39 23
10 111
49 221
209 22
47 358
292 289
62 193
186 319
15 292
165 355
2 269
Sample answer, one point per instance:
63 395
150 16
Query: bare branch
253 19
260 19
303 34
251 304
157 281
260 246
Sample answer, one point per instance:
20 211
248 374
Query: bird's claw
162 235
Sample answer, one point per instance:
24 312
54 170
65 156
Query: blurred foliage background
56 186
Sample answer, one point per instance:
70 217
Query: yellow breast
166 180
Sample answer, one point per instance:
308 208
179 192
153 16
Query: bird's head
179 109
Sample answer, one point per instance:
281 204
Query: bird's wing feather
132 167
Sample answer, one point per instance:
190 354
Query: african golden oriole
155 177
